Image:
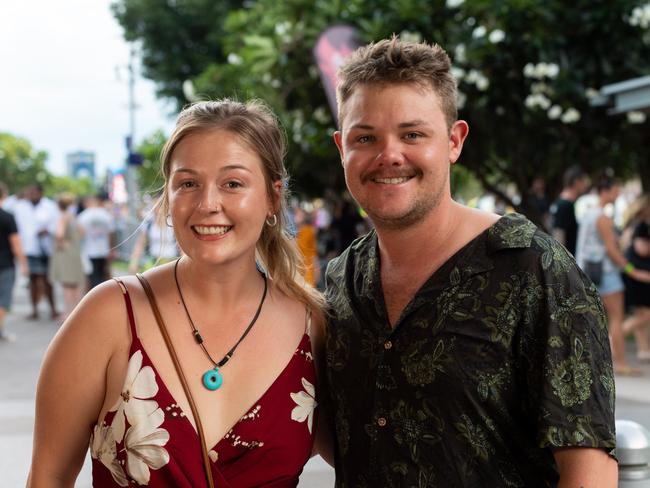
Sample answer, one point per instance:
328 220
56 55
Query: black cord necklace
212 378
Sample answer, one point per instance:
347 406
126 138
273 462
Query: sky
64 82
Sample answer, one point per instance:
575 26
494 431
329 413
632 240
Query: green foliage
21 164
527 71
79 187
150 178
178 38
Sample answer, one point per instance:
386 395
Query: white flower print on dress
144 443
103 448
305 404
139 385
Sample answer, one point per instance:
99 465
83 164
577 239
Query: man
10 250
98 230
563 217
464 349
36 217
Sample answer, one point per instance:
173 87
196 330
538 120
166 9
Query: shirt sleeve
565 356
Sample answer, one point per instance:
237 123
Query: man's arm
584 467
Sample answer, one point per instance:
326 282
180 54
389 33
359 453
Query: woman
242 336
637 294
66 265
597 248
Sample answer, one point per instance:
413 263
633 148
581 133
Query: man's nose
390 152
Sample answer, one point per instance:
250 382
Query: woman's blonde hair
637 209
257 127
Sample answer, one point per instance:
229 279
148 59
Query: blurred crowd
76 243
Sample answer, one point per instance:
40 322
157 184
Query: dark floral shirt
502 355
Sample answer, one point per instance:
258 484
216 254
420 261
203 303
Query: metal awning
626 95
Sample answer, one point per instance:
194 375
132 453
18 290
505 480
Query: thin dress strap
129 307
308 323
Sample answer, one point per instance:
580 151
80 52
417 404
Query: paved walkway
20 363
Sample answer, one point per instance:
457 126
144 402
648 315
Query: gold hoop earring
272 221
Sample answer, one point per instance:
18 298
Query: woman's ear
275 197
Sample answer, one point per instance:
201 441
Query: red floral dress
146 439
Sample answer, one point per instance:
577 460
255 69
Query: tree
179 39
150 178
20 164
528 71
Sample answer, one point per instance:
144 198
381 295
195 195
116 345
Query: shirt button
388 345
381 422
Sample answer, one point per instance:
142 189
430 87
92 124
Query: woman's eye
187 184
232 185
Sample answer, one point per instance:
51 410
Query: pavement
20 363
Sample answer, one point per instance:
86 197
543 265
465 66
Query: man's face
34 194
396 151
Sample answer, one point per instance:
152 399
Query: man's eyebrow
412 123
362 126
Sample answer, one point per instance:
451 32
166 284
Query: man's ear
338 140
457 136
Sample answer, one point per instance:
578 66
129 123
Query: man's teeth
392 181
211 229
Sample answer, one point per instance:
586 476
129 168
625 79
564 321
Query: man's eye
364 139
412 135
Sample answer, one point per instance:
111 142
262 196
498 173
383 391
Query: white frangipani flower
234 59
103 448
541 70
454 3
460 53
570 116
554 112
636 117
410 36
640 16
144 447
482 83
496 36
305 404
592 93
537 100
458 73
479 32
461 100
139 385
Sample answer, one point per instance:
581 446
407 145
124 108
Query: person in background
66 264
564 226
10 252
98 226
36 218
598 248
155 244
226 396
539 201
637 294
306 241
463 348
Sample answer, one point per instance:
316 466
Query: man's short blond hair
392 61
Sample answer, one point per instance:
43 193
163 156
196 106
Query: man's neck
413 248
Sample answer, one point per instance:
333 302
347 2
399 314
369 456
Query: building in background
81 164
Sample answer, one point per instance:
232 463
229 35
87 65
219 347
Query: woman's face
218 199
